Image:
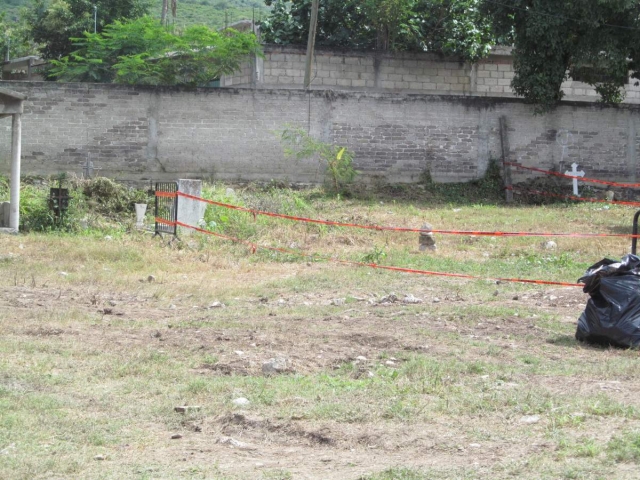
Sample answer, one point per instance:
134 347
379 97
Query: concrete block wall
283 67
145 133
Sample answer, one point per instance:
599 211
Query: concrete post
190 212
16 152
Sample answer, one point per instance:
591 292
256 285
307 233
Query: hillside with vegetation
213 13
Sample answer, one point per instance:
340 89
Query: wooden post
313 26
16 151
504 143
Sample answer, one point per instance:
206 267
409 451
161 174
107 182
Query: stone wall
145 133
283 67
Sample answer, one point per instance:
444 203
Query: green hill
212 13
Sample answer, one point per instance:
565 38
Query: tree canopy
16 39
142 51
451 27
595 41
52 23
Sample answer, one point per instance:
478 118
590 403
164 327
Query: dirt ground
319 335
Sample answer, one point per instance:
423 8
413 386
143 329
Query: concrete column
16 152
190 212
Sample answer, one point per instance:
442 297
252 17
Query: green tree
597 41
451 27
52 23
142 51
15 39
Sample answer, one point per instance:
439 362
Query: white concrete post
16 152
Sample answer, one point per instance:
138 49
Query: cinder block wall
283 67
146 133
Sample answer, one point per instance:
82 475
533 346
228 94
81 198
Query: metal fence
166 208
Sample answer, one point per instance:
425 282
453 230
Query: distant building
24 68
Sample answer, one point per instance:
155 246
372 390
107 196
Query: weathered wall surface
142 133
283 67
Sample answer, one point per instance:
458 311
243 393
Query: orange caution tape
255 247
167 194
414 230
572 177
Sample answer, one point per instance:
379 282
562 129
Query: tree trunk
165 8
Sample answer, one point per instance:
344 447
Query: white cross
575 174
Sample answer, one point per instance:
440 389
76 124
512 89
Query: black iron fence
166 211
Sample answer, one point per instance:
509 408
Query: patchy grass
94 356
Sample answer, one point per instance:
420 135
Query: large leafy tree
52 23
14 39
142 51
452 27
597 41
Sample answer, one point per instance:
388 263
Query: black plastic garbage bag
612 316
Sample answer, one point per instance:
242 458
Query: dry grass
94 357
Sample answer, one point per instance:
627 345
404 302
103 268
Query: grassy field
104 332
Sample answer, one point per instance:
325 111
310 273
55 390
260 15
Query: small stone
390 363
176 436
277 365
474 445
241 402
232 442
217 305
239 353
172 307
99 457
151 278
411 300
391 298
112 303
63 274
108 237
530 419
338 302
436 300
370 374
361 358
550 245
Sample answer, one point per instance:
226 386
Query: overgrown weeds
98 203
488 189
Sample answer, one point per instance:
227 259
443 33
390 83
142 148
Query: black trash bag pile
612 316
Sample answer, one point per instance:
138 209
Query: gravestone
190 212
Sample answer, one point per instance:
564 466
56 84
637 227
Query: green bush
100 202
